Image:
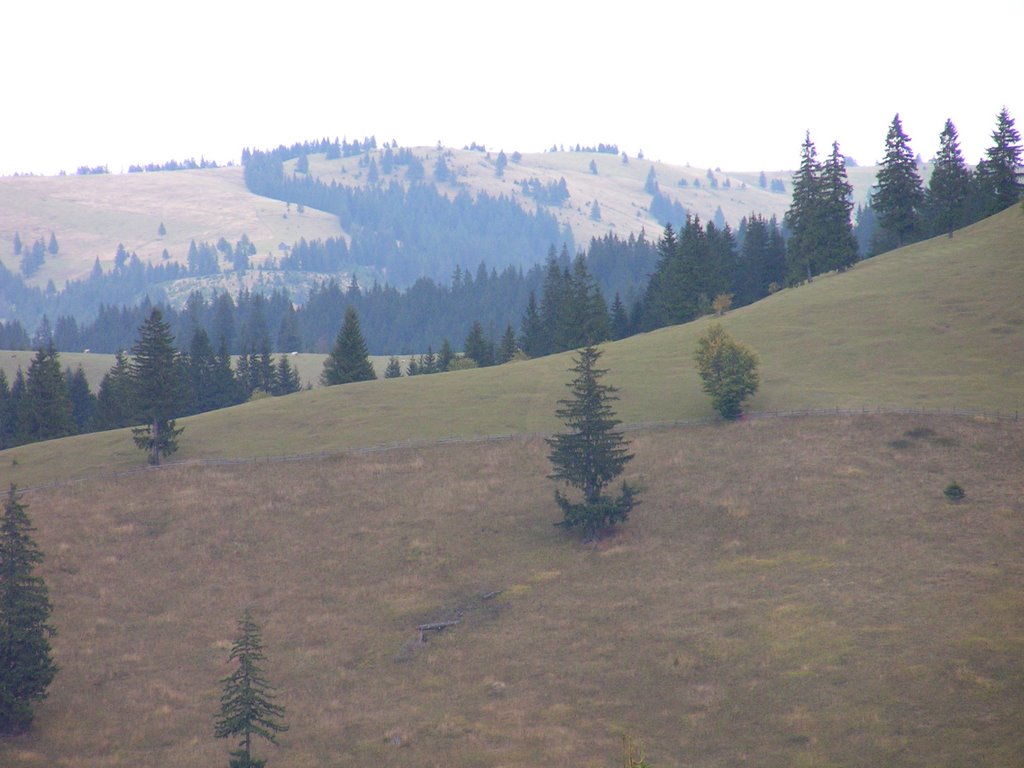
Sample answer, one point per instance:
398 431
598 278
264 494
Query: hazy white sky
720 83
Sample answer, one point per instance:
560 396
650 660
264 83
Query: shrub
954 491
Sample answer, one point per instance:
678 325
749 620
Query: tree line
47 402
903 210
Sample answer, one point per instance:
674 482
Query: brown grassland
791 592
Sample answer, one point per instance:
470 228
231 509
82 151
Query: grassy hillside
937 325
790 593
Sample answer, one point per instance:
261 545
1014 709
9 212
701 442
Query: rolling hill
937 325
92 214
790 592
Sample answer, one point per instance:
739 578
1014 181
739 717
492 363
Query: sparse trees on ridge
26 663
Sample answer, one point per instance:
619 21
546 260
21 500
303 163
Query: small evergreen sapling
246 705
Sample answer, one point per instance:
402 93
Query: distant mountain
577 195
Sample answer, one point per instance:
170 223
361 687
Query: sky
721 84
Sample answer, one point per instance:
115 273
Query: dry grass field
791 592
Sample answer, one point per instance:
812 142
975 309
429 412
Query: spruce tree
533 338
803 219
247 705
946 199
839 246
619 319
7 420
507 348
286 378
999 174
445 355
394 369
592 453
114 399
349 360
44 409
26 663
83 401
898 196
477 347
158 388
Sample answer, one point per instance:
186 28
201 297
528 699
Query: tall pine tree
159 390
44 409
839 246
803 219
999 174
946 199
898 196
26 663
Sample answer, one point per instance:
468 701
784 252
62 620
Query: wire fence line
525 436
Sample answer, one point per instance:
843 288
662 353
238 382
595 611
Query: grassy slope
790 593
935 325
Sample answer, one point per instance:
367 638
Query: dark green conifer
999 175
507 348
349 360
477 347
804 216
394 368
839 246
898 196
247 705
445 355
158 388
532 340
83 401
26 663
949 186
114 406
44 409
592 453
286 378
